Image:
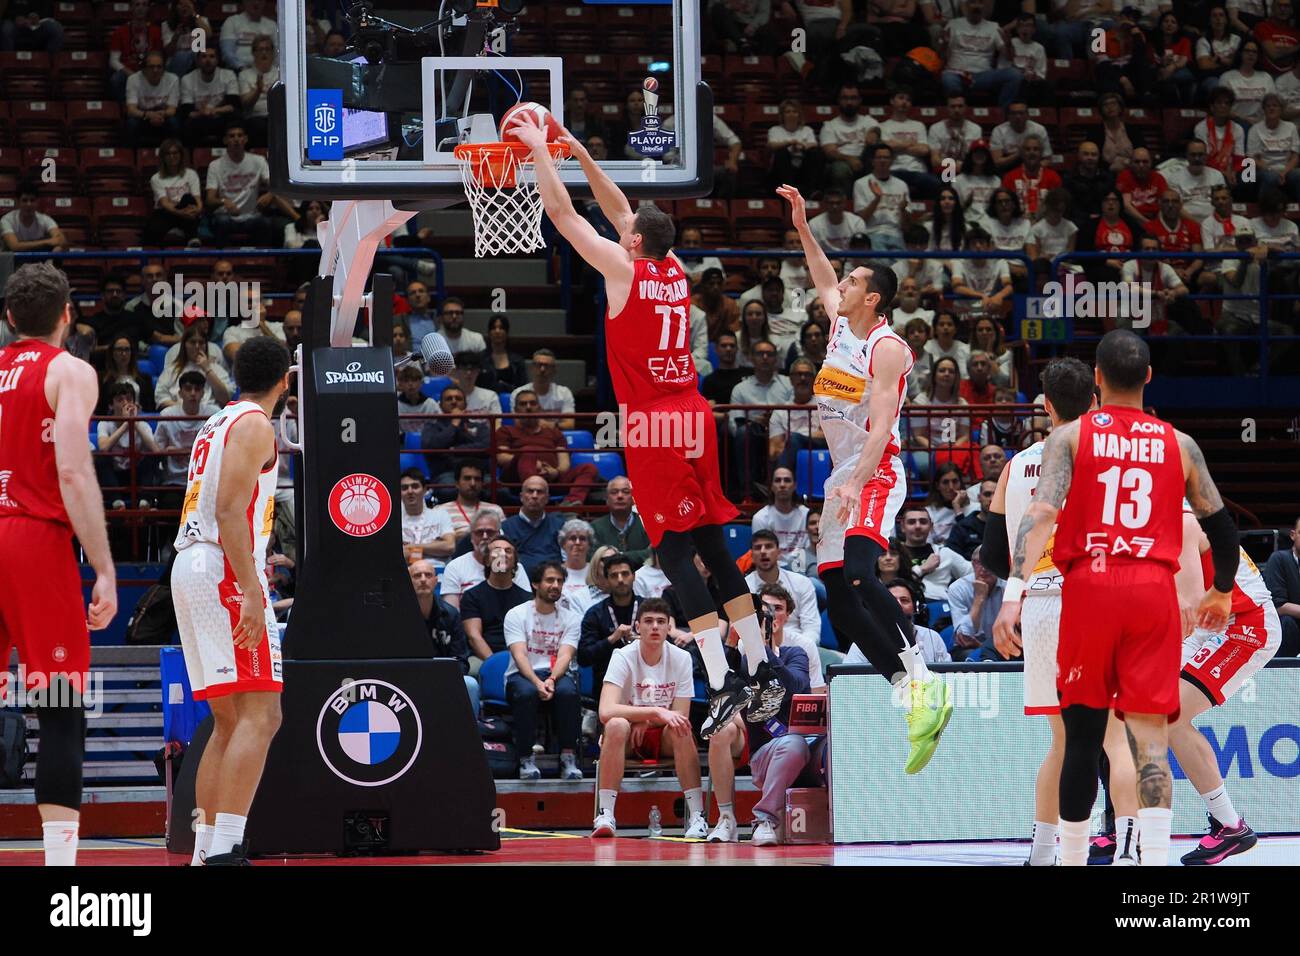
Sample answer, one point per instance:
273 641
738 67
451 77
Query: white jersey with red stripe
843 390
1022 481
199 511
1249 592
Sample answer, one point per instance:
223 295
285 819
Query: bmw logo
369 733
1102 419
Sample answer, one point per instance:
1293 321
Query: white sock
1074 842
1126 836
1043 852
202 843
912 660
605 801
726 810
1156 822
751 642
694 801
715 661
60 839
227 833
1220 806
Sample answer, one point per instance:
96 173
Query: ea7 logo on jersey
1147 428
671 369
1102 420
1101 541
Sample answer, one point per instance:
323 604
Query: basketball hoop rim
499 156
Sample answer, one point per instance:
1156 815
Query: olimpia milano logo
369 733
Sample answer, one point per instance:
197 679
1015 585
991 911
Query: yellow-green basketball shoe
930 713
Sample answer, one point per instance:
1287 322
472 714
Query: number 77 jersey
648 344
1125 501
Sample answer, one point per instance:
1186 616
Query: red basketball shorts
1121 639
41 609
672 462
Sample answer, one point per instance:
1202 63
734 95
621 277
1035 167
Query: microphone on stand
434 356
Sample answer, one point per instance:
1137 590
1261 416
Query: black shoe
1220 843
1101 851
238 856
734 696
768 695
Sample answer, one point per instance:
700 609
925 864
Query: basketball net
501 185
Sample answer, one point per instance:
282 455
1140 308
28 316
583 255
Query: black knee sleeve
63 747
860 556
677 561
712 547
1085 732
853 625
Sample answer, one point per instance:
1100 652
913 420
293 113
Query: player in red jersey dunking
1117 542
48 493
675 480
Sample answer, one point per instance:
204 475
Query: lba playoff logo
369 732
359 505
651 139
324 124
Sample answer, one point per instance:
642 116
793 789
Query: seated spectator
972 47
946 230
645 705
843 139
834 228
238 193
401 341
945 501
193 353
987 338
1178 235
25 229
766 550
951 138
1114 234
153 97
411 401
1007 229
1275 146
794 270
1167 289
978 387
469 368
535 532
796 157
209 99
622 528
255 82
1031 180
976 183
1122 63
1119 138
1171 51
469 569
742 25
985 281
1282 575
975 599
129 44
531 449
695 266
1141 187
468 503
726 375
443 623
452 434
180 424
917 334
542 639
811 346
114 471
992 459
451 322
507 368
240 332
1054 235
754 328
721 311
1249 85
115 321
968 530
1225 139
607 624
239 32
909 141
831 32
1287 86
769 267
548 395
786 516
1219 233
575 541
421 319
1216 50
426 532
776 763
1085 185
180 28
650 580
881 199
1004 144
484 606
909 598
1278 37
581 118
1029 57
790 431
177 199
934 565
120 368
28 26
805 562
778 608
163 320
890 563
1006 428
749 427
783 321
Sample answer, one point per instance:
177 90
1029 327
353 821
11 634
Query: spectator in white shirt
176 438
834 229
1005 142
935 566
451 323
790 431
972 46
1194 181
908 306
426 532
1162 279
1216 50
977 182
1249 84
239 31
1275 146
255 83
1287 86
114 471
467 570
928 272
909 596
766 549
1219 232
26 229
881 199
794 271
209 98
951 138
742 25
792 144
1027 55
843 139
769 267
238 193
152 98
650 580
1054 235
785 517
552 396
988 281
177 197
911 145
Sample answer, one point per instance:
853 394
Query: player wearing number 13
223 610
1121 475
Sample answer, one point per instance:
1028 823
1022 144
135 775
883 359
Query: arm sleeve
1225 548
995 552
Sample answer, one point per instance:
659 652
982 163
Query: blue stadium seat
412 460
492 678
940 614
701 691
147 367
580 440
586 681
820 590
158 355
828 633
411 441
505 400
812 468
608 463
182 718
947 635
738 539
433 385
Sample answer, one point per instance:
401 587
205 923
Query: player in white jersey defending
1215 666
223 610
860 392
1068 391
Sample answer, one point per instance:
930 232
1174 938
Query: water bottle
656 822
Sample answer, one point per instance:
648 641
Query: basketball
651 85
541 116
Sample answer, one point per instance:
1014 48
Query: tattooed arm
1225 547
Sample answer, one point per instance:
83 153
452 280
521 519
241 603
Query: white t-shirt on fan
542 634
647 685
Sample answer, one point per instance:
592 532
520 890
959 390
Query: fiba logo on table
650 139
359 504
369 732
324 132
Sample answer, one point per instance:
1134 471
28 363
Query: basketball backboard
380 119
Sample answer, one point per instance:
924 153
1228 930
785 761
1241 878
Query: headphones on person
920 609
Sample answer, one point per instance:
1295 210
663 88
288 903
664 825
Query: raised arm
610 198
820 269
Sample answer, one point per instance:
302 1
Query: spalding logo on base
360 505
369 733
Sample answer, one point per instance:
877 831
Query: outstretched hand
576 149
524 129
798 211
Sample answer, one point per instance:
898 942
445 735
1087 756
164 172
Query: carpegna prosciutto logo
360 505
